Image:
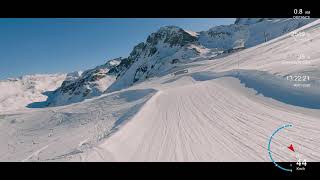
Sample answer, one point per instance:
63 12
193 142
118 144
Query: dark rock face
124 64
87 77
141 70
172 35
85 84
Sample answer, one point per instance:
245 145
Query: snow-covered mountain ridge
165 51
82 85
223 109
172 46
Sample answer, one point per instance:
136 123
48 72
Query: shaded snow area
207 106
272 86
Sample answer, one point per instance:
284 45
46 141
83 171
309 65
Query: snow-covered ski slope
57 133
217 118
222 109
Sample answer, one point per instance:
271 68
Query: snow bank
272 86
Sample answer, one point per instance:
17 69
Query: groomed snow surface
222 109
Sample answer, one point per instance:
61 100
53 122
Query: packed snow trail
222 109
214 120
221 119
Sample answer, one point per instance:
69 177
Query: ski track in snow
217 123
35 154
196 116
219 119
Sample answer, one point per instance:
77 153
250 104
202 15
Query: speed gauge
277 149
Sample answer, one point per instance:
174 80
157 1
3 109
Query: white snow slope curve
220 119
222 109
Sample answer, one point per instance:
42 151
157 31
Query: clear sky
30 46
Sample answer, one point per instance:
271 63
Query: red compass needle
291 147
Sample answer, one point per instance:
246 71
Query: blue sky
30 46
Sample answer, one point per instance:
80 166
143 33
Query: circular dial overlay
287 149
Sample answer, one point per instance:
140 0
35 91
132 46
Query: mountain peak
172 35
170 28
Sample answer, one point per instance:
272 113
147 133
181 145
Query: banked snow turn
226 116
222 109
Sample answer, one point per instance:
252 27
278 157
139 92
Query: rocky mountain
170 46
168 49
248 32
82 85
225 37
159 53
